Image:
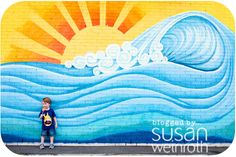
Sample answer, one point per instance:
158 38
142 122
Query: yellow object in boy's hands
47 120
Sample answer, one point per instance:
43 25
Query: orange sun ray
134 16
76 14
56 20
94 11
31 56
34 32
113 10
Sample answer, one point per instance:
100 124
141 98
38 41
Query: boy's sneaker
41 146
51 146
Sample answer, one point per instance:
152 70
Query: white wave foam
117 57
79 62
113 50
68 64
91 60
156 56
144 59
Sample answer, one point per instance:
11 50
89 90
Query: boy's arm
55 120
41 114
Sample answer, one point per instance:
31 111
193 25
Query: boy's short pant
49 132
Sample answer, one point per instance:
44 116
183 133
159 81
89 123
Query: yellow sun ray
22 41
48 28
67 16
85 13
102 13
123 14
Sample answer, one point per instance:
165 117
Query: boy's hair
47 100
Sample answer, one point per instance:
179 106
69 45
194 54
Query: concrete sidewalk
106 150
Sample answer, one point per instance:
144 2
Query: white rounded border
5 4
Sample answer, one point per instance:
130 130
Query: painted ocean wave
196 84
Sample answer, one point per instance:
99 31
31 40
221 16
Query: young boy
49 122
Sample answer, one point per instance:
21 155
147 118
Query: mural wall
119 72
